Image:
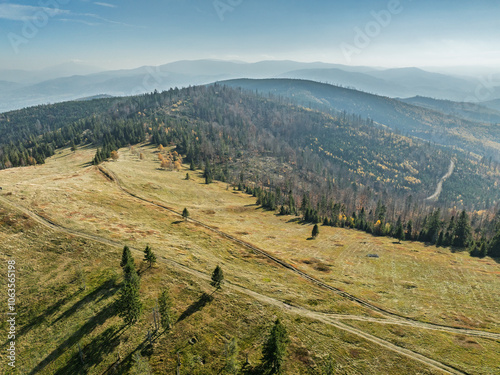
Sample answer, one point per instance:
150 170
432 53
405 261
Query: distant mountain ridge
470 111
72 81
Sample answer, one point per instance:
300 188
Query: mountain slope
470 111
428 124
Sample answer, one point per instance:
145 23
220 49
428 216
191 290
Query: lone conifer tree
274 349
185 213
165 313
315 231
217 278
149 256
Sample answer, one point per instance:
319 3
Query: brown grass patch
467 342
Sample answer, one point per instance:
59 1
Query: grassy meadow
67 285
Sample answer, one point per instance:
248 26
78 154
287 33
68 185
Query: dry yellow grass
424 282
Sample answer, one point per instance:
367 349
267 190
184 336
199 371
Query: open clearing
424 283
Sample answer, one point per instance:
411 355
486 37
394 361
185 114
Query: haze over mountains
72 81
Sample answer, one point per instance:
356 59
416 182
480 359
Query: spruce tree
482 251
129 272
409 231
126 255
185 213
149 256
274 349
315 231
432 227
208 173
440 239
129 303
217 278
399 233
164 306
462 232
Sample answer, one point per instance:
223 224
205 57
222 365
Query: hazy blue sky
125 33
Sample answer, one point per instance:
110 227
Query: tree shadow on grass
99 319
85 165
35 322
106 290
93 353
196 306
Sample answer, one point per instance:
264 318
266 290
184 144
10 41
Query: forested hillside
425 123
336 169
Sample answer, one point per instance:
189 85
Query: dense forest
335 169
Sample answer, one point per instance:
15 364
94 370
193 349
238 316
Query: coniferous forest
335 169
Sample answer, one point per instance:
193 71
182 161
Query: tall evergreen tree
129 303
126 255
149 256
208 173
274 349
399 232
315 231
217 278
432 227
185 213
462 232
409 231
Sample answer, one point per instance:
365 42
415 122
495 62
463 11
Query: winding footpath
434 197
331 319
394 316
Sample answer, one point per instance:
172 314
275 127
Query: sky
116 34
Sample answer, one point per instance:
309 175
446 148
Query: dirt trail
439 188
331 319
390 316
